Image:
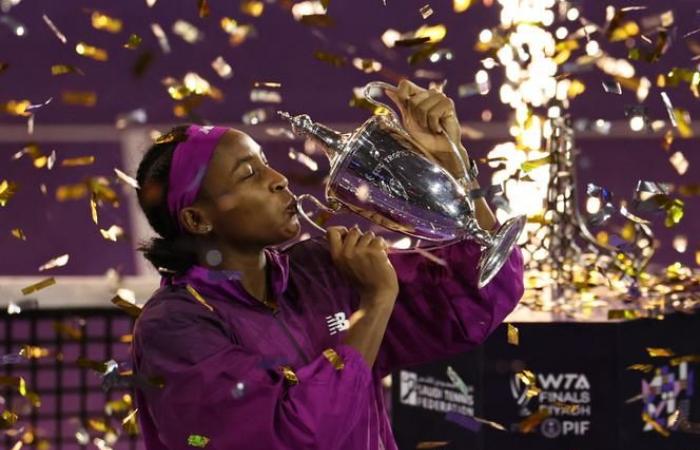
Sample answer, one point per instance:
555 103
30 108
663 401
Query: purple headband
190 161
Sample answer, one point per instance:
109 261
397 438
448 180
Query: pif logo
565 397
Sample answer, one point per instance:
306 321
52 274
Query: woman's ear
194 220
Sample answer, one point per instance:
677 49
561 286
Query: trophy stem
501 243
478 234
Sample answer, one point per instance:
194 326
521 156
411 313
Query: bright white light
572 14
482 77
680 243
593 205
488 63
485 36
561 33
390 37
637 123
548 18
592 48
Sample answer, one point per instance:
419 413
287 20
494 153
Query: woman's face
247 201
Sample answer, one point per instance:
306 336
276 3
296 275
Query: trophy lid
331 141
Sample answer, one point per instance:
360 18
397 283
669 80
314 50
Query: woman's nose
280 182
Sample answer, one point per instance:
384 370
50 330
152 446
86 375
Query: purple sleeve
216 389
440 311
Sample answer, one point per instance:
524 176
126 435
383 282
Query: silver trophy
378 173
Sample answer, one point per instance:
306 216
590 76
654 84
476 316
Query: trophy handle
318 203
366 91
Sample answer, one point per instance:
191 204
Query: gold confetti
685 359
680 243
93 207
79 98
78 161
16 382
38 286
96 53
16 107
130 423
330 58
158 32
68 331
513 335
133 42
61 37
126 178
268 84
459 6
33 352
317 20
659 352
334 358
529 166
303 159
411 42
62 69
188 32
128 307
71 192
7 191
289 375
655 425
531 422
527 377
222 68
253 8
7 419
425 11
431 444
59 261
674 212
195 440
101 21
679 162
198 297
203 8
101 425
113 233
641 367
265 96
367 65
19 234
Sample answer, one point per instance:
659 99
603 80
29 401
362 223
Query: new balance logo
337 322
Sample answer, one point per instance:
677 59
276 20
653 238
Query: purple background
282 52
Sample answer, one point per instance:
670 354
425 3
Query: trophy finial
301 125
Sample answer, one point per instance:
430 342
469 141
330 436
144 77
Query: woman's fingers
350 242
366 239
439 111
335 240
423 111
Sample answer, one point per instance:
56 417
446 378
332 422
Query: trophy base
493 257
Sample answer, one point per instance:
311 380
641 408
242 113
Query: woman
248 347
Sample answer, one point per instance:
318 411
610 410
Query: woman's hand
363 258
430 119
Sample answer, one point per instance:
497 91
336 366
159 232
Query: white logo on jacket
337 322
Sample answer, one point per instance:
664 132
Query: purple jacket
221 356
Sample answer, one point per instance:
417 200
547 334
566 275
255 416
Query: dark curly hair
171 251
